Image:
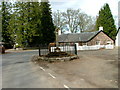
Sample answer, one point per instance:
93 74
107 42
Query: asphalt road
19 72
94 69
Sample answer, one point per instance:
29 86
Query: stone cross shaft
56 37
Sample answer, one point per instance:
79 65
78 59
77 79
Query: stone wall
103 38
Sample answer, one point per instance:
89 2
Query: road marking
42 68
66 86
52 75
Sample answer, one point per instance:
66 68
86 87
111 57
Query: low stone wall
19 48
53 59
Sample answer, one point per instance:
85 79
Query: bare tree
74 20
87 23
91 24
58 20
71 19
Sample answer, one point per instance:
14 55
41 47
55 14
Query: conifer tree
6 8
105 19
24 22
31 19
17 23
47 27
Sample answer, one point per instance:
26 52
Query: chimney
59 32
100 28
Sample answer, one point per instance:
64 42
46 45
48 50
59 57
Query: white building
117 42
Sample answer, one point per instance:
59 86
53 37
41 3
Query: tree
17 23
105 19
73 20
46 27
34 23
86 23
59 20
24 22
6 8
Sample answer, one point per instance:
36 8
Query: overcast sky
91 7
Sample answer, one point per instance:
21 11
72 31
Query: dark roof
77 37
118 31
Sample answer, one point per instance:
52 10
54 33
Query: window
109 43
98 42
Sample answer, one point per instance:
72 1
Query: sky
119 14
91 7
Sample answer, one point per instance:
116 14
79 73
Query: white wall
117 42
85 47
94 47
